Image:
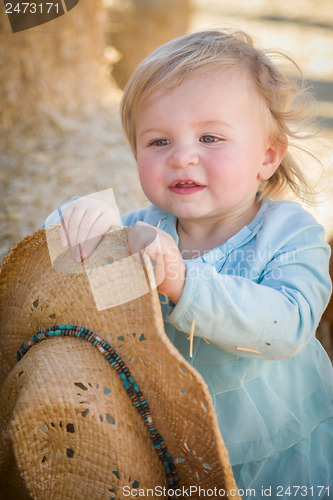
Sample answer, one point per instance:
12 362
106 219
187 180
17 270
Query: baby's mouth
186 183
185 186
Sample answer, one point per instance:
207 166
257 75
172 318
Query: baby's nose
182 157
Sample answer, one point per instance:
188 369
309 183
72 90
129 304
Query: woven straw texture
68 428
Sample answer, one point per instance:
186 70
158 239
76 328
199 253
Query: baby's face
203 148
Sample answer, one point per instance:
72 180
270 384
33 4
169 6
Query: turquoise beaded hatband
132 389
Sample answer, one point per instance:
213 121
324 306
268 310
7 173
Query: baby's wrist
176 290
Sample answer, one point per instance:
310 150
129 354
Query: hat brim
65 417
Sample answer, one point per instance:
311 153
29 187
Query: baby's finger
87 248
75 230
155 253
145 238
64 223
94 235
83 237
71 223
140 236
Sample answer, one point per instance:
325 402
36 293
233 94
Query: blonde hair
286 99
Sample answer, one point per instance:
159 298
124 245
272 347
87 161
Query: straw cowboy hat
115 412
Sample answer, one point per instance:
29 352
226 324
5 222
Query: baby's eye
207 139
159 142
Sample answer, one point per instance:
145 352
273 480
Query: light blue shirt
263 290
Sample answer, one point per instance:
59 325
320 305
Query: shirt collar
169 224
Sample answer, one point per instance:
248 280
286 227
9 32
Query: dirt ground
44 167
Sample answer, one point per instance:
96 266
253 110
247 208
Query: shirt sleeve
131 218
271 318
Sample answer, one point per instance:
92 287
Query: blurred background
61 82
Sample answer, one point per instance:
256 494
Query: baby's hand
84 223
169 268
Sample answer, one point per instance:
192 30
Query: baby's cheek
149 179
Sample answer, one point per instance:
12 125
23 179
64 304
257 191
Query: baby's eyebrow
200 123
214 122
150 131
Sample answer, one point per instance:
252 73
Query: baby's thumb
89 245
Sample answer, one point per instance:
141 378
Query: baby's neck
192 246
199 237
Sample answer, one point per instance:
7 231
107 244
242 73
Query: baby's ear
273 157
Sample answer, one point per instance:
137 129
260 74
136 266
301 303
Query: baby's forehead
218 78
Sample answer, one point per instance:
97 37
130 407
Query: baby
208 118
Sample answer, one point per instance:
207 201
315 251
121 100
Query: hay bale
54 66
136 27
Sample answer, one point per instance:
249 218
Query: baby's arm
273 317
